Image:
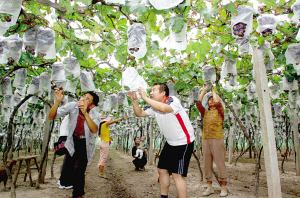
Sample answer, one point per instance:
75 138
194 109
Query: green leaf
161 35
155 45
205 46
136 7
243 81
177 23
120 57
196 47
268 2
208 13
261 40
231 8
86 2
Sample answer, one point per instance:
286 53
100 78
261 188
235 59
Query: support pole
296 141
151 142
267 129
231 143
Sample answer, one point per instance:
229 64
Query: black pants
75 167
67 172
139 163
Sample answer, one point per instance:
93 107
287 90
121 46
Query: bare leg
180 185
164 180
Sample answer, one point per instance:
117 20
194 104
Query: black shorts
176 159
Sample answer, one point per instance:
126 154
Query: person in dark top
139 163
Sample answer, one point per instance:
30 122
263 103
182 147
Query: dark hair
95 97
163 87
135 138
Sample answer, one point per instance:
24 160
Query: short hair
163 87
95 97
135 138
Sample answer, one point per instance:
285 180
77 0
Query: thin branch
20 67
110 65
50 4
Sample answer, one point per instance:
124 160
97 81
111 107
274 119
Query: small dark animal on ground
3 174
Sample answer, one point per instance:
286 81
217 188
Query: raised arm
82 104
59 95
116 120
215 96
202 93
199 104
139 112
159 106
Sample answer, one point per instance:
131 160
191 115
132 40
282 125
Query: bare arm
82 104
139 112
215 96
59 95
202 93
93 127
159 106
116 120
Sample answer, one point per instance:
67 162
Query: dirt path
124 182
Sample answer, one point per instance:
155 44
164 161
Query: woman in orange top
213 146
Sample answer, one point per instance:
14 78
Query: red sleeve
200 108
220 108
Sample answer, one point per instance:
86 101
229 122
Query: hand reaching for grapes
59 94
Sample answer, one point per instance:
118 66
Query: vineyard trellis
180 41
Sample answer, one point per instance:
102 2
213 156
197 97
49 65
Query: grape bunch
29 50
5 17
239 29
132 50
11 61
266 32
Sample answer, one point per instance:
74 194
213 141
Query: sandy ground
123 181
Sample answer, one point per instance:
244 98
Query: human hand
125 117
132 95
204 87
59 94
82 104
142 93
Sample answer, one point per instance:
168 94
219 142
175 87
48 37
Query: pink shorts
104 146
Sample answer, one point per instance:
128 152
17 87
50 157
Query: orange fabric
212 120
79 130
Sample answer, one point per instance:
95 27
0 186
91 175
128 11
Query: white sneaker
206 193
223 194
65 187
58 182
68 187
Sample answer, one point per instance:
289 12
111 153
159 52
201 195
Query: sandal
104 176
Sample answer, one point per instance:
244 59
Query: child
143 142
139 151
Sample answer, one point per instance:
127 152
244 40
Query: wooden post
198 141
296 141
45 144
231 143
151 142
267 129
